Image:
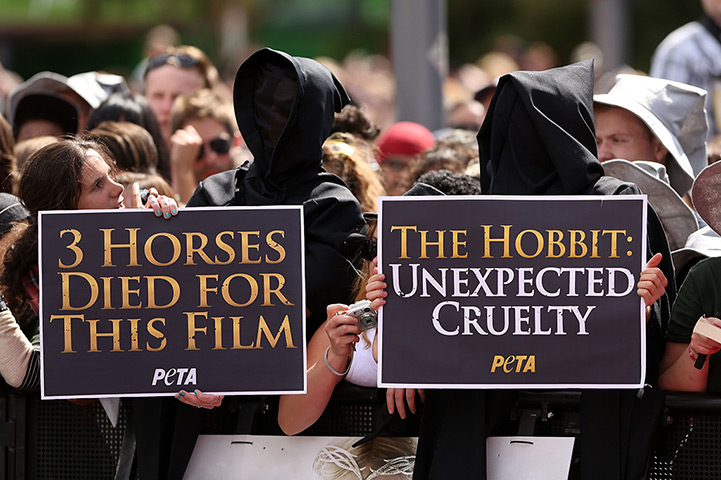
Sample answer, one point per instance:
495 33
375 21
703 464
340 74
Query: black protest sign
502 292
133 305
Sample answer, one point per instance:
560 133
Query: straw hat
677 218
706 196
702 243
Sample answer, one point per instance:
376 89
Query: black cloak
539 139
284 106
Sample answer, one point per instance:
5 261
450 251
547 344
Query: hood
284 106
538 137
675 114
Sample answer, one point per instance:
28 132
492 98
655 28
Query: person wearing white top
335 350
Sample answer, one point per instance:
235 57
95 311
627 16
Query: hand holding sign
376 290
199 399
652 282
396 398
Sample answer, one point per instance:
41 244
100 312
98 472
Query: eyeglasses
219 145
180 60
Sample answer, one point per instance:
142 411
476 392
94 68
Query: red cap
404 138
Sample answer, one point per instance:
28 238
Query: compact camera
367 317
144 195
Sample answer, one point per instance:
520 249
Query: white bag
529 458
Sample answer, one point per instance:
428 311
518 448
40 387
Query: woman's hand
199 399
652 282
396 399
376 290
162 206
343 332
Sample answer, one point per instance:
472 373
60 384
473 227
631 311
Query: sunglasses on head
221 146
180 60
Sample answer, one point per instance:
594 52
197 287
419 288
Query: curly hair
451 183
353 119
451 152
349 157
51 180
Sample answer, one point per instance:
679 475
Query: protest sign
508 292
132 305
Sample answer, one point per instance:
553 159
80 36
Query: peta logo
514 363
175 376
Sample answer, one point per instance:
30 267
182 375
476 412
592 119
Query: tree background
70 36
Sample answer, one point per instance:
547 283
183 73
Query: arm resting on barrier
329 354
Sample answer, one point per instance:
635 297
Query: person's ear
659 151
237 140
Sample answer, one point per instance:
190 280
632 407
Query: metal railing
61 440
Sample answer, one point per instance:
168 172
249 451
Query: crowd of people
321 134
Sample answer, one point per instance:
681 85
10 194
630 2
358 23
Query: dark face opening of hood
273 94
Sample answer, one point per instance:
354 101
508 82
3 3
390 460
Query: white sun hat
675 114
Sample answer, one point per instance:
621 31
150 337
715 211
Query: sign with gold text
510 292
134 305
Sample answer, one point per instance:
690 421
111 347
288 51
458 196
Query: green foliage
72 35
651 21
473 26
109 12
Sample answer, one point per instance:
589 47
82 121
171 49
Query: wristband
691 353
327 364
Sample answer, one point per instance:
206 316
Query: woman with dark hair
130 145
68 175
123 107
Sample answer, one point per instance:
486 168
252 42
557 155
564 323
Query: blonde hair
201 104
380 457
350 157
204 66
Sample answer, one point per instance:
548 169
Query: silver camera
367 317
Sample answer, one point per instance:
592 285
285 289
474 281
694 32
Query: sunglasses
181 60
221 146
369 249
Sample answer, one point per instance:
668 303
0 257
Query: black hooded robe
539 139
285 107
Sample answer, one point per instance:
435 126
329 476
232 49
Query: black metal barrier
60 440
